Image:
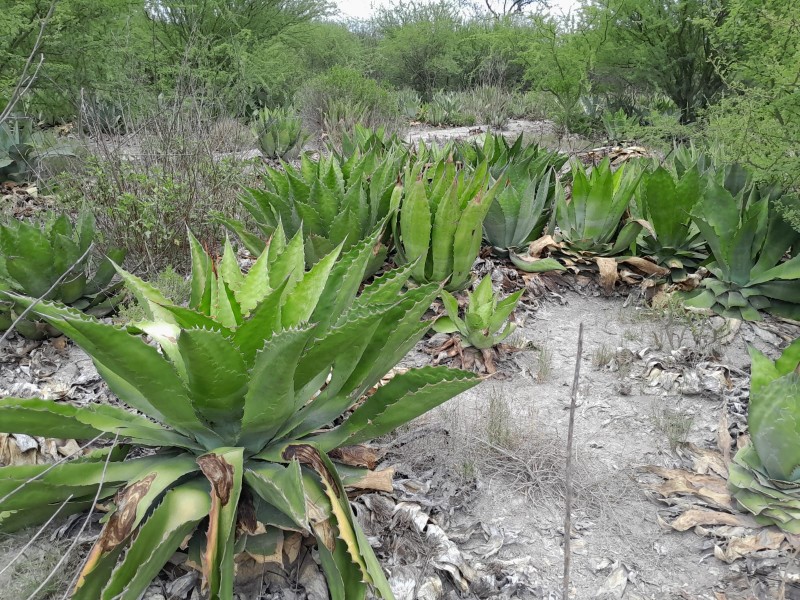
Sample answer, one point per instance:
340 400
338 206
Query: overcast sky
363 8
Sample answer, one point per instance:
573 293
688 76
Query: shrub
337 100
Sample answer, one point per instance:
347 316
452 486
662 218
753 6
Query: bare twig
568 467
43 296
25 81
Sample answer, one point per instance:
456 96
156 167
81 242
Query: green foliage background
723 73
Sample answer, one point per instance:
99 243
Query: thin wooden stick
568 474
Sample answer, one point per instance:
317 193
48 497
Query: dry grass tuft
28 572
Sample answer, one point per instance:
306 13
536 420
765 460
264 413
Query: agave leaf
224 469
537 265
445 223
349 530
183 507
281 487
415 228
254 243
451 306
399 330
57 419
270 398
404 398
343 577
789 359
303 299
774 428
384 289
256 284
467 239
344 280
147 296
134 371
502 311
263 321
132 503
229 267
326 357
217 378
202 277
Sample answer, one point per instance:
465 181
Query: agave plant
525 159
748 240
33 259
333 202
672 239
364 140
441 220
443 109
16 149
519 212
239 419
618 125
765 474
590 222
484 318
408 103
280 133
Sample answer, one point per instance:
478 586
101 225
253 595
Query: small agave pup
253 386
484 318
765 474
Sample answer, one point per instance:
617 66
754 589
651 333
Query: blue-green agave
765 474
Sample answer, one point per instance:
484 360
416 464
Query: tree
757 120
506 8
663 45
420 45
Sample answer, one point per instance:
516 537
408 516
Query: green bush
342 97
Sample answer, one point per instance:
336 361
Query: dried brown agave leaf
698 516
766 539
357 456
645 266
709 488
608 273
